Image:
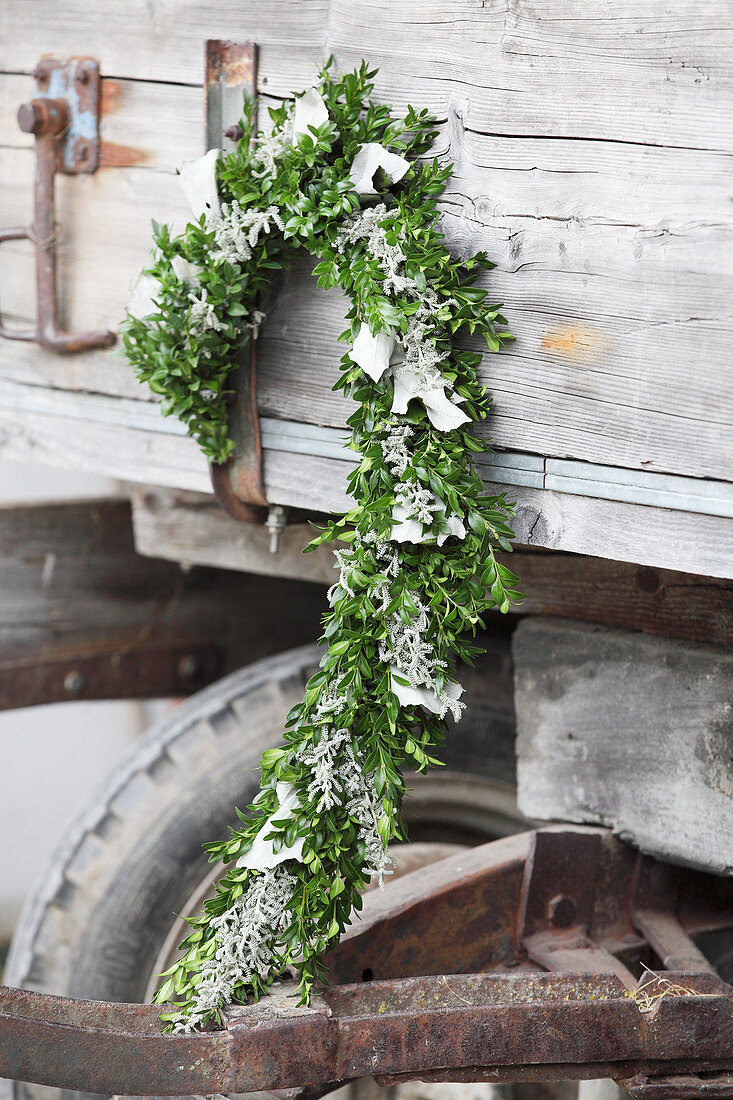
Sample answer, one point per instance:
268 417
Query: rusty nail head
74 682
234 133
82 75
41 73
561 911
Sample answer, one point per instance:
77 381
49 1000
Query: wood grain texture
591 148
619 71
192 528
627 731
72 581
654 536
612 295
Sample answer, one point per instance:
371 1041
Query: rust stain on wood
120 156
112 96
576 342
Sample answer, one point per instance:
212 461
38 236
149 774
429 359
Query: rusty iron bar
501 1019
542 1026
231 71
126 669
717 1086
64 120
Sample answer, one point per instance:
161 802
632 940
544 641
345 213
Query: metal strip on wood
231 73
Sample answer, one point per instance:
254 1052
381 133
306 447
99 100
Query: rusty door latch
64 119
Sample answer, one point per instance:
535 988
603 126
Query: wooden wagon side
591 166
591 150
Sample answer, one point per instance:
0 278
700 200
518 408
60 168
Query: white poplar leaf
373 351
184 270
404 529
370 157
443 411
412 530
142 300
310 110
426 697
262 855
198 181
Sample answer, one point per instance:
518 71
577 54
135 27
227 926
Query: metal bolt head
43 116
562 911
275 524
74 682
234 133
42 73
29 117
189 667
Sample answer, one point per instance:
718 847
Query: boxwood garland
339 177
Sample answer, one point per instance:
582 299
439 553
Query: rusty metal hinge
64 119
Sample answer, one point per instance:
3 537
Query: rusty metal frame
231 72
64 119
541 938
123 668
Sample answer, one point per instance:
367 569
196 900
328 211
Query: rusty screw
234 133
74 682
82 75
561 911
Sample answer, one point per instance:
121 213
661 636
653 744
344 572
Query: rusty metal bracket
440 981
238 483
231 73
126 669
64 118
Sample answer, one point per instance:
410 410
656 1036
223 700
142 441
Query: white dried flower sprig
246 937
237 231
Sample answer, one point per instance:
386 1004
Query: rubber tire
95 923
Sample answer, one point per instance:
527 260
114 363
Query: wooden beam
627 731
191 527
83 615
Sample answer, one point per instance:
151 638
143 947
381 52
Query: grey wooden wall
592 144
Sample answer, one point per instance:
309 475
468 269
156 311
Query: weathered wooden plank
72 584
686 494
612 288
126 453
608 73
191 527
142 125
627 731
626 532
294 438
559 521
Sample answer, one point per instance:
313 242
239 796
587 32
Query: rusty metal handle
29 334
64 120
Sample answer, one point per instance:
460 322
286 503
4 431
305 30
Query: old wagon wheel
100 924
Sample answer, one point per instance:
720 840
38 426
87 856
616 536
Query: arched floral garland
339 177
